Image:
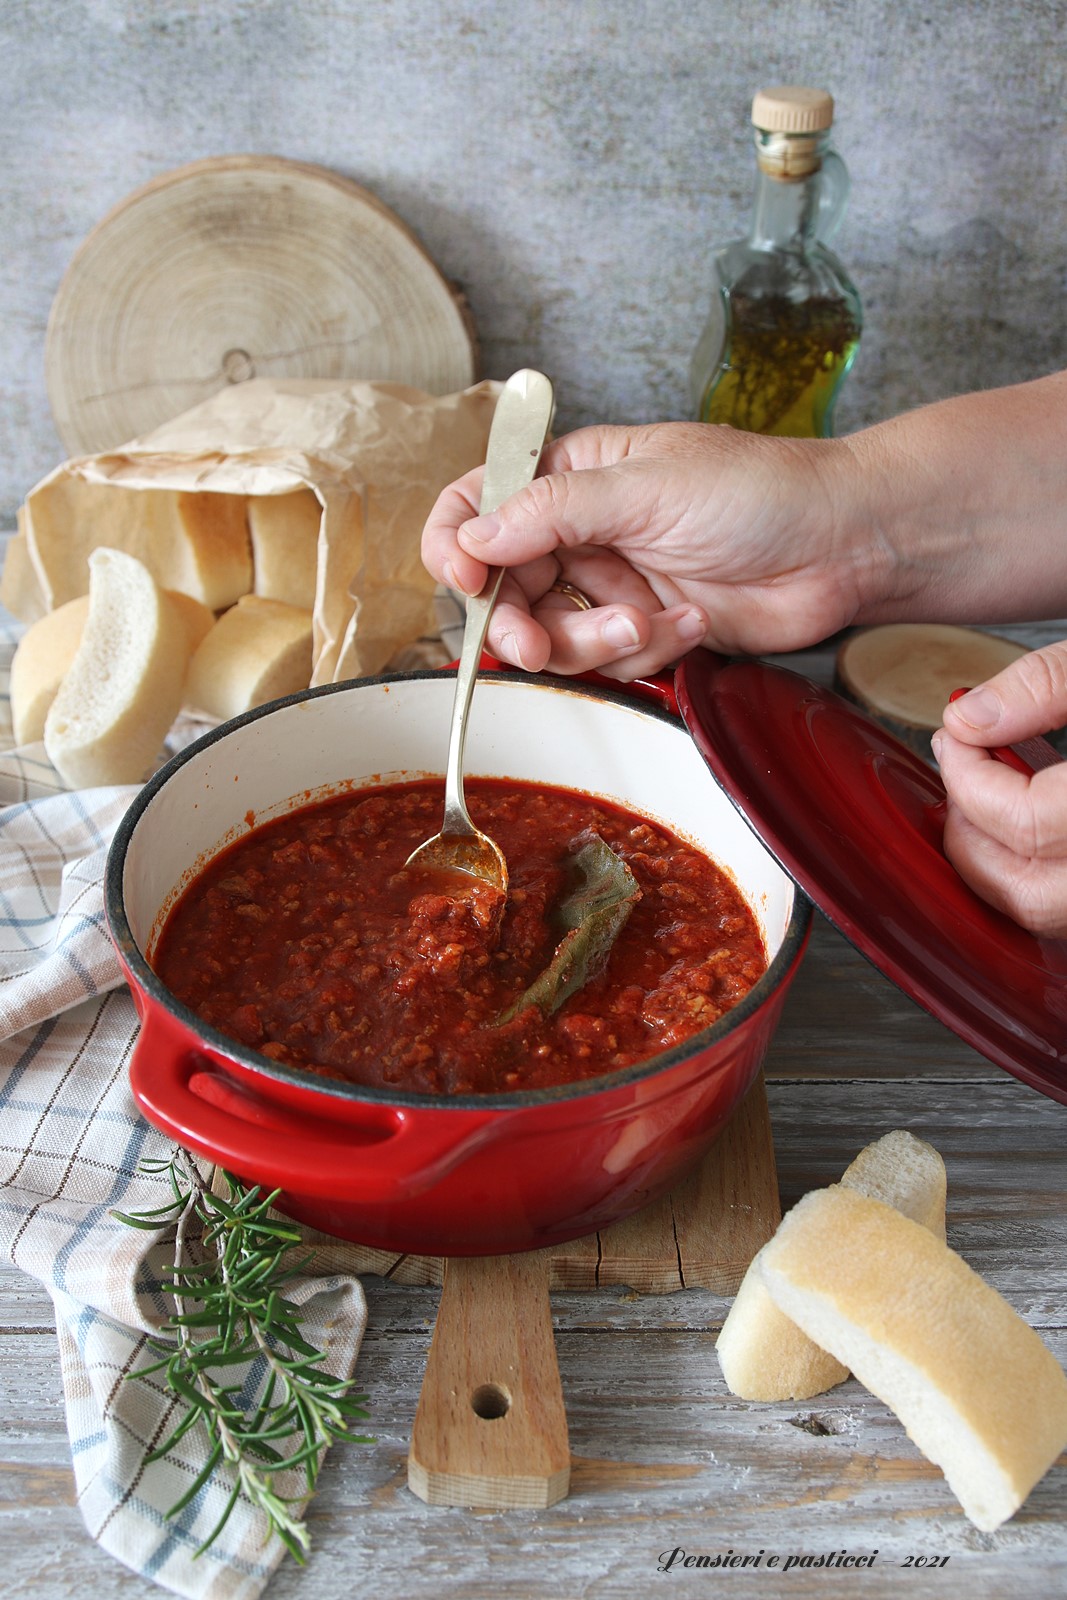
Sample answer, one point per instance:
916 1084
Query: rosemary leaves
232 1263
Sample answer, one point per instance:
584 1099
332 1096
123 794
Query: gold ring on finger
573 594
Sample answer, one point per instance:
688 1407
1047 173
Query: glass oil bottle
785 318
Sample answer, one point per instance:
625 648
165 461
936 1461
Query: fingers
1027 697
1006 834
608 578
564 509
1028 815
461 564
516 637
622 642
600 446
1033 893
441 554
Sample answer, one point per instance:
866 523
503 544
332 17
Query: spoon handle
516 439
479 610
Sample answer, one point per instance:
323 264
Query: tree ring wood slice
902 673
238 267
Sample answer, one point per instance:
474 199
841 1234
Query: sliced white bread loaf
197 619
765 1356
41 661
285 546
123 688
197 543
976 1389
907 1174
47 650
257 651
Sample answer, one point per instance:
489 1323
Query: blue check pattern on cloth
71 1140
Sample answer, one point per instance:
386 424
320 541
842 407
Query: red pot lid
857 820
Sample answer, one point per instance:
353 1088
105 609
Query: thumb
1028 697
595 505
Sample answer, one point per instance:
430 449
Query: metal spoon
516 439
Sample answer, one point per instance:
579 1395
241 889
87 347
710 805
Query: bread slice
46 652
197 543
765 1356
196 619
976 1389
907 1174
257 651
41 661
284 529
123 688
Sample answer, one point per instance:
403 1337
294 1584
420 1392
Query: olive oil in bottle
785 319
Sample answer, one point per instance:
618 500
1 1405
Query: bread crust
123 688
763 1354
284 529
257 651
41 661
195 542
976 1389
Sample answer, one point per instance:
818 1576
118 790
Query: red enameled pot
463 1175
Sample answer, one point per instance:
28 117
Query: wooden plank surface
662 1456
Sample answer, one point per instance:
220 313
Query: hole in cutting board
490 1401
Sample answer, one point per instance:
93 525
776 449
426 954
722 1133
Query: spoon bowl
516 439
460 847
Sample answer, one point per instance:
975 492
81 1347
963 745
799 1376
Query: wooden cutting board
491 1426
237 267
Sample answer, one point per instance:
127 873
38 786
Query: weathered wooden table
664 1456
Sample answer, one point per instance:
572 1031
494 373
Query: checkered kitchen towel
71 1140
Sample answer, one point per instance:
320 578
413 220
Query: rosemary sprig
232 1260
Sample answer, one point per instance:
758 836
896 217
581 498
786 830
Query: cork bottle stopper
793 109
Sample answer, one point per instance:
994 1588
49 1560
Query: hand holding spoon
516 439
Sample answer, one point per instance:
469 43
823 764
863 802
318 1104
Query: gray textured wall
572 164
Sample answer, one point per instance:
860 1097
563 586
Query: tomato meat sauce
309 941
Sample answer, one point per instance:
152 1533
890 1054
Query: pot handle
384 1149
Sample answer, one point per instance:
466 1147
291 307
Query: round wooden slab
238 267
902 673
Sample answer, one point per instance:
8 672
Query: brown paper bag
375 455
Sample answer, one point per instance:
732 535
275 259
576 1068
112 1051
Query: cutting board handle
491 1429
